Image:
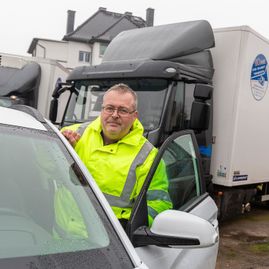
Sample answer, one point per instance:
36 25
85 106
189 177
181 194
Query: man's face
114 125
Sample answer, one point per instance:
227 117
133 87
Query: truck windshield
49 215
86 101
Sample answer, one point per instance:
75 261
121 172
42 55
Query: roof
103 26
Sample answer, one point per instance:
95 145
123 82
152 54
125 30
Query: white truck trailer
240 114
29 80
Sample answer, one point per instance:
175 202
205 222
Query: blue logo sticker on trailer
259 77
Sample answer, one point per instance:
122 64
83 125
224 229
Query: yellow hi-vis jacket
120 169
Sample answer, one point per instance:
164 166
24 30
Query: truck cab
172 79
29 81
19 81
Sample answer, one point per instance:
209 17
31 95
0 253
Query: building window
84 56
102 50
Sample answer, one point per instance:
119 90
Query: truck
189 76
29 81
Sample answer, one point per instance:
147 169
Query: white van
37 166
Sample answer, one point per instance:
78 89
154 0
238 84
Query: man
118 156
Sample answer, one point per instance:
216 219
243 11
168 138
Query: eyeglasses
121 111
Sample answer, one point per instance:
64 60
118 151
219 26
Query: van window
47 208
182 171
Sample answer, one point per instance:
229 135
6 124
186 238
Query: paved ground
244 241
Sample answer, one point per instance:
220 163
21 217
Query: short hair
123 88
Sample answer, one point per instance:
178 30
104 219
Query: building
87 43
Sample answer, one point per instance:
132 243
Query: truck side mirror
202 92
53 110
201 110
59 89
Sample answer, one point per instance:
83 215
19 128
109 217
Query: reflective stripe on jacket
120 169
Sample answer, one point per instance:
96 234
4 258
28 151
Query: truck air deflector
161 42
14 80
148 52
186 43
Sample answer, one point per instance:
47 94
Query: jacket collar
132 138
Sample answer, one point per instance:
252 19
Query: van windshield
86 101
49 215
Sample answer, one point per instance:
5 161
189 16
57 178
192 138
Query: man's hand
71 136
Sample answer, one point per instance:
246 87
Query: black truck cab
170 67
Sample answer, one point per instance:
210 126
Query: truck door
187 191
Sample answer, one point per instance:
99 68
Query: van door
187 191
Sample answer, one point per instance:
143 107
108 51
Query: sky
23 20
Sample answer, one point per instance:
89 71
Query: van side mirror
177 229
201 109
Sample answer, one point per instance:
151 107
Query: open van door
186 236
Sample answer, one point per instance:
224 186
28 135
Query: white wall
67 52
52 50
73 53
96 57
